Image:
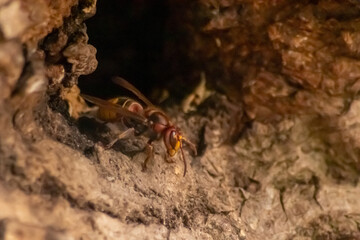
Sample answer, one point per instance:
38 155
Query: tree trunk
270 94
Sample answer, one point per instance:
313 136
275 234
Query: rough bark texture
277 135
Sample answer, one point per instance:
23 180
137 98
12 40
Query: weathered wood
279 162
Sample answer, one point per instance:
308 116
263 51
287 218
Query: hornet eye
173 140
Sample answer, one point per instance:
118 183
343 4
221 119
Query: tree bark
275 126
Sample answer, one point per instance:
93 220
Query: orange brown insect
141 118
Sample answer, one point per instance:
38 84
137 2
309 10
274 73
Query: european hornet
141 118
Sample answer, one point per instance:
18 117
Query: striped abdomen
127 103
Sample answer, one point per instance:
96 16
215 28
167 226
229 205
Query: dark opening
129 38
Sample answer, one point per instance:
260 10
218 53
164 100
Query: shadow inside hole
129 38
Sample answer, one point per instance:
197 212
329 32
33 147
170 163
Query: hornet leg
150 154
125 134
